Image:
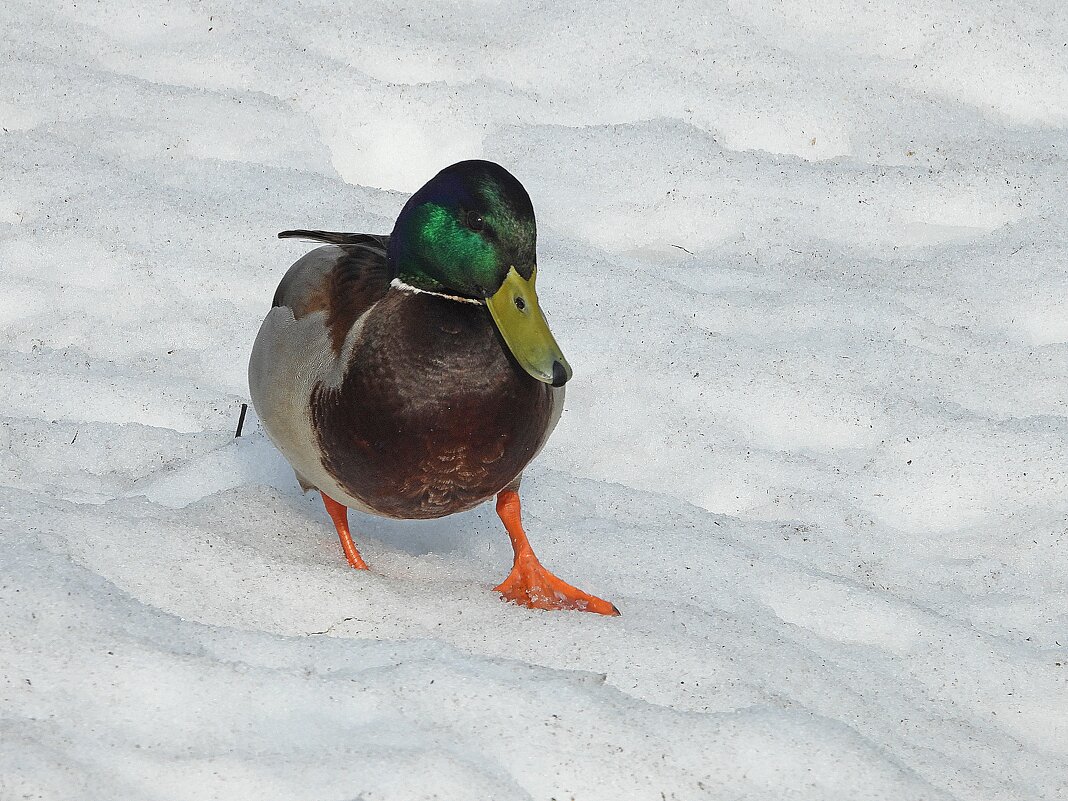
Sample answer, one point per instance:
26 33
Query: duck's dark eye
474 221
520 304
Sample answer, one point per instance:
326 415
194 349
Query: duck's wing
342 280
303 343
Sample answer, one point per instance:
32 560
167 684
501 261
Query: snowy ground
808 261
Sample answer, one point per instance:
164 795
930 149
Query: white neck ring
399 284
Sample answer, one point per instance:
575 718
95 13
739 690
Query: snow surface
808 261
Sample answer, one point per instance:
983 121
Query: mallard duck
413 375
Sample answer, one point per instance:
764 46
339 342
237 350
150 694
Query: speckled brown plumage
433 415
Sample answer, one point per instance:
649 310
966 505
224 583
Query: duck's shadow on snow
456 533
450 534
252 460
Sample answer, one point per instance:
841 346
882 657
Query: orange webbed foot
530 584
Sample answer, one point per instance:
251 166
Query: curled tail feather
335 237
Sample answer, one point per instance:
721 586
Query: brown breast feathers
433 416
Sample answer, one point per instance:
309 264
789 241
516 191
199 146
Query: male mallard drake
413 375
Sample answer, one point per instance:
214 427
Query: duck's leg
340 515
530 584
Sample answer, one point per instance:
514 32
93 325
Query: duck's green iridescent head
470 233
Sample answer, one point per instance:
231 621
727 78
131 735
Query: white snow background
808 260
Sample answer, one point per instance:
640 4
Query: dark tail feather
335 238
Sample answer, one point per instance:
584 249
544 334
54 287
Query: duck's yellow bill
515 310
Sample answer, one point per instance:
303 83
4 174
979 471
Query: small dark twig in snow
76 433
680 247
240 420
